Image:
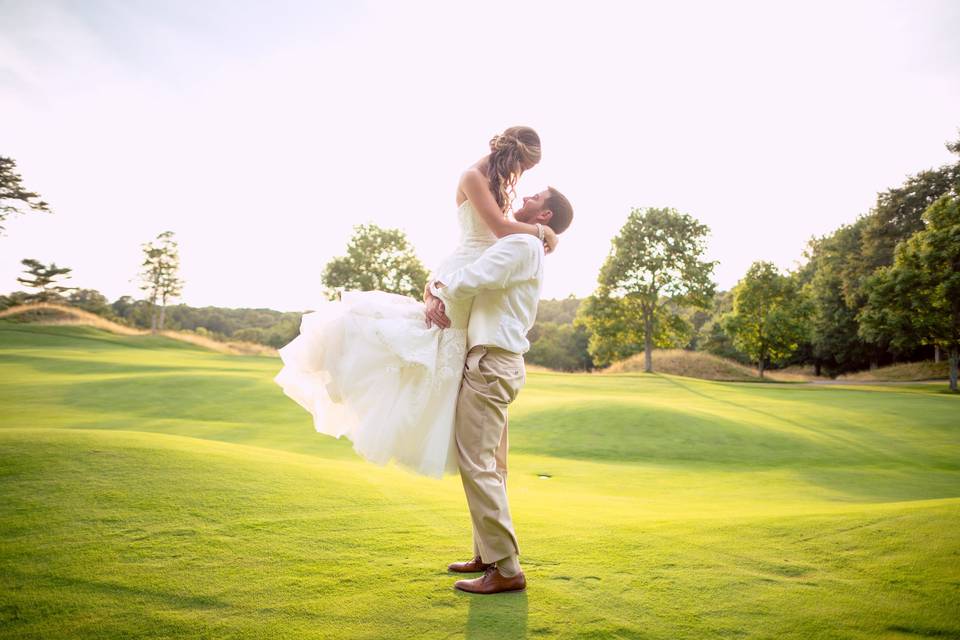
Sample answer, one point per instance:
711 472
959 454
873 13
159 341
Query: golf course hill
47 313
706 366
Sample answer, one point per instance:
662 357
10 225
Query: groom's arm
511 260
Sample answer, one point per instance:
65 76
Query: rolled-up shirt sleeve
510 260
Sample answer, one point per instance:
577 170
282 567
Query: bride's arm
475 186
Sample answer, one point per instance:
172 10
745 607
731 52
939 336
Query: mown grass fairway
152 489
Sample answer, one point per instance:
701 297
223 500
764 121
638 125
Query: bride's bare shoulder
472 172
471 178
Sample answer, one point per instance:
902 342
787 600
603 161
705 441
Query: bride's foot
470 566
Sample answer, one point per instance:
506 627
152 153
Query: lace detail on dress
453 348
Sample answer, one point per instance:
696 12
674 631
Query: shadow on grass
828 434
501 616
168 598
77 366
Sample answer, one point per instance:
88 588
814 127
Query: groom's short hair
561 208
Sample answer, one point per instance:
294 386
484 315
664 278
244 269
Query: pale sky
260 133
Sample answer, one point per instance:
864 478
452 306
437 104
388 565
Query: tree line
884 288
158 278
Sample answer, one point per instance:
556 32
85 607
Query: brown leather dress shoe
492 581
470 566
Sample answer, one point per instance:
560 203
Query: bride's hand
550 239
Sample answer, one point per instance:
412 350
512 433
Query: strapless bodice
475 237
474 232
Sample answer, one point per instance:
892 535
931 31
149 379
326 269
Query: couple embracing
427 384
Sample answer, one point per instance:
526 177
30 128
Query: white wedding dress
368 368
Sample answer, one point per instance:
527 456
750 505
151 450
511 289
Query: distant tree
714 338
840 265
918 297
125 309
44 278
898 213
560 311
612 327
377 260
13 197
13 299
90 300
768 318
159 275
655 267
560 346
834 288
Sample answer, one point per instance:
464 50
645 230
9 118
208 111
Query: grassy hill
702 365
706 366
47 314
154 489
908 371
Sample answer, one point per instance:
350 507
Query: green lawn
152 489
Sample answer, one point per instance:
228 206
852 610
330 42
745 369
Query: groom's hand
436 312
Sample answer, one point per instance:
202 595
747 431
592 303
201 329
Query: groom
506 283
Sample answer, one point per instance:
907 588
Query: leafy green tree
560 346
713 337
918 297
768 318
561 311
841 264
898 213
90 300
159 275
13 197
654 268
44 278
377 260
834 274
611 324
13 299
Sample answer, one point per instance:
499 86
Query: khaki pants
492 378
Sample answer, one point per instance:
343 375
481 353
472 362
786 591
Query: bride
373 368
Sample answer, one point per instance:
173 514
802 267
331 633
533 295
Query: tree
654 268
560 346
714 338
159 275
43 278
918 297
841 264
834 275
898 213
767 322
91 300
13 197
377 260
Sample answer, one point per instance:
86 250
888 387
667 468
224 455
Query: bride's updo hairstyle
510 152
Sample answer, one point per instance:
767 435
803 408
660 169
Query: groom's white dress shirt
506 280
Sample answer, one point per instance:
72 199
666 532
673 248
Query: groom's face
533 209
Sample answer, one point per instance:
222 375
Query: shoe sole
492 593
